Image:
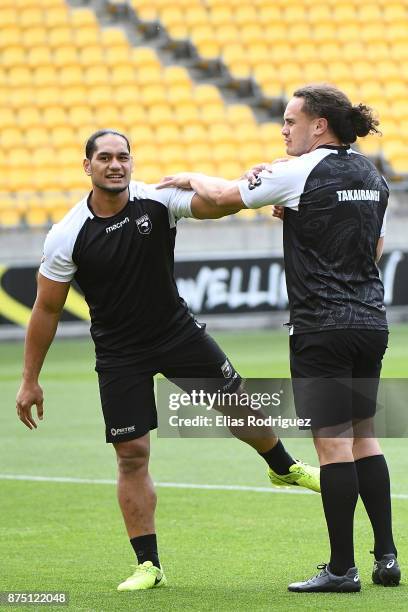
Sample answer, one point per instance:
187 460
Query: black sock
278 459
374 485
145 547
339 486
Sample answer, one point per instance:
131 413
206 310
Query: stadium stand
62 76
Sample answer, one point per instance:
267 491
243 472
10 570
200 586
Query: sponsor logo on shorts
144 225
120 431
226 369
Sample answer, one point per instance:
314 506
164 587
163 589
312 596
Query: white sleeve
178 201
281 186
56 263
285 184
384 225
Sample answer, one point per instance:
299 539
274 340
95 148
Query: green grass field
221 549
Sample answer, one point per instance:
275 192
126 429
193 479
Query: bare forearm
212 189
40 333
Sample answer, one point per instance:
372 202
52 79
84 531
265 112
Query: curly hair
345 120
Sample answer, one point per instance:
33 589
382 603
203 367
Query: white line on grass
170 485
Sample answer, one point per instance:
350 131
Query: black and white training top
124 266
335 203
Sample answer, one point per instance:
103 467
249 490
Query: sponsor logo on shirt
346 195
144 225
117 225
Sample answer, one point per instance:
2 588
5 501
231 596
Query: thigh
321 370
128 404
372 345
200 363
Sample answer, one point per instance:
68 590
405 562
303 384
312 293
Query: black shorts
335 374
127 394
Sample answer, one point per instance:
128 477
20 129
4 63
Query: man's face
299 130
110 167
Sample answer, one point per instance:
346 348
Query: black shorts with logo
127 394
335 374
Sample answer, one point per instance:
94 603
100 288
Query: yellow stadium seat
117 54
95 75
70 156
54 116
239 113
196 15
245 14
160 113
108 116
146 154
63 136
66 55
76 94
394 12
149 75
30 17
399 51
125 95
32 37
325 32
122 74
396 89
45 75
221 133
146 11
167 135
386 69
80 115
396 32
39 56
19 77
363 70
306 52
400 163
269 12
81 17
11 137
19 157
353 50
58 209
259 53
88 35
213 112
226 34
390 128
13 57
205 93
46 96
10 36
194 133
220 15
18 179
113 37
10 216
344 12
370 145
98 94
372 33
251 33
153 94
57 16
36 215
8 17
141 135
270 132
204 166
17 96
171 15
134 114
379 51
187 113
28 117
223 152
90 55
149 173
197 153
44 156
60 35
70 75
276 32
369 12
177 94
319 13
143 57
176 75
230 170
299 33
7 117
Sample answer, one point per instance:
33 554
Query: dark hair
90 146
345 120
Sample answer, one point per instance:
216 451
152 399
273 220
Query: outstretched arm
51 296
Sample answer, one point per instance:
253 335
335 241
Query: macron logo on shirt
116 226
349 195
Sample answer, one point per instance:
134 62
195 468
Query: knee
132 456
334 450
